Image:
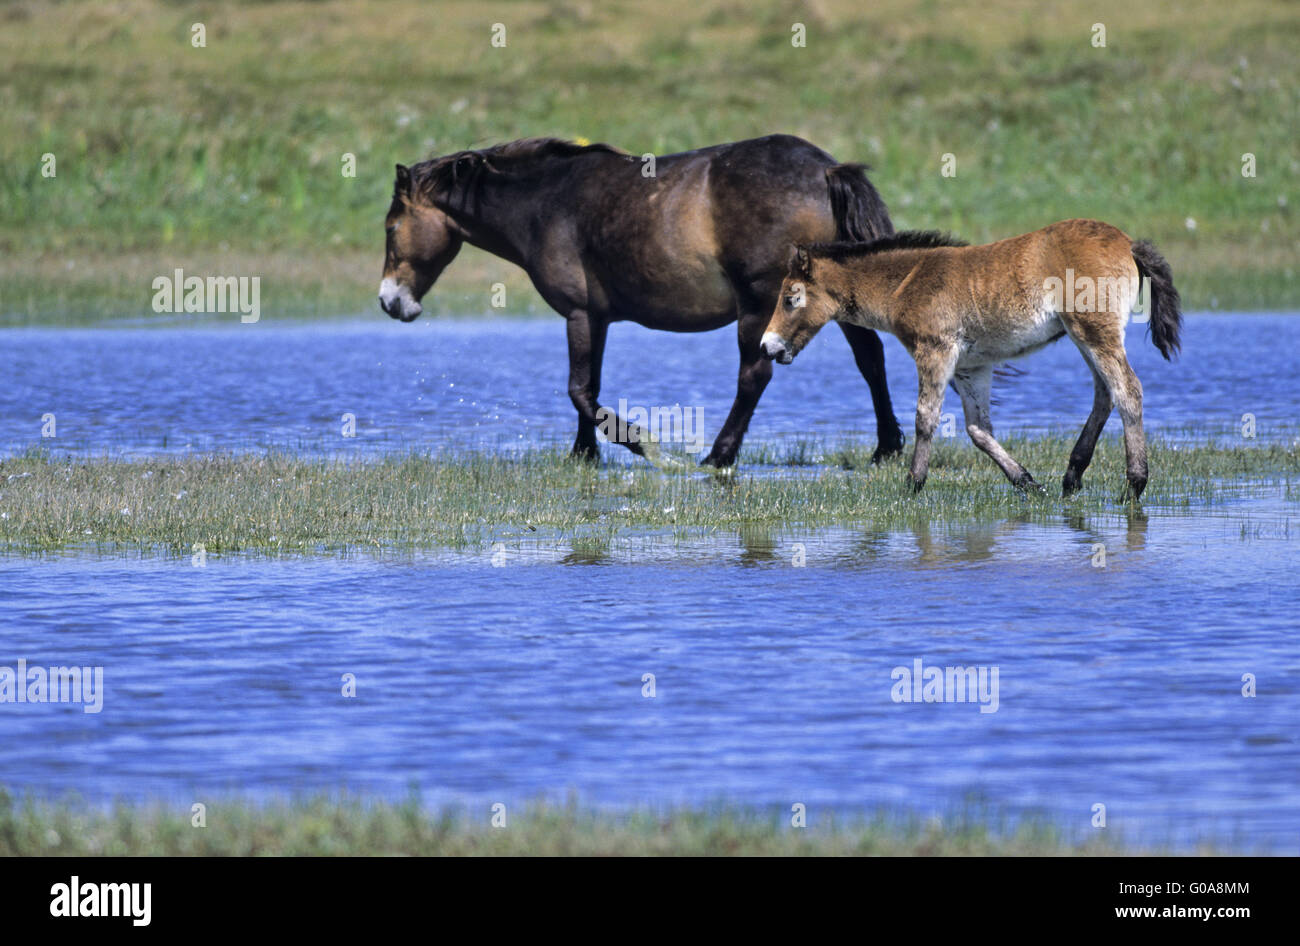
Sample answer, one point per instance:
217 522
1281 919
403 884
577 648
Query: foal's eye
390 228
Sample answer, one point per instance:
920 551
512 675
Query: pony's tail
860 214
1166 313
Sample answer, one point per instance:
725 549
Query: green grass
330 826
227 159
288 504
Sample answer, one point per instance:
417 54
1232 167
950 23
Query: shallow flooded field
1121 638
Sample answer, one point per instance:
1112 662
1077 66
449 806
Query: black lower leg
586 351
1081 455
869 354
755 373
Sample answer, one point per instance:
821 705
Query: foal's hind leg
974 387
869 355
1081 455
1100 336
1126 389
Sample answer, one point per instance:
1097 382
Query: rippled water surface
1119 685
502 384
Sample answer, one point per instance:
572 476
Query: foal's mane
469 167
903 240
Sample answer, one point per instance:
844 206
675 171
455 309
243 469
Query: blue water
503 384
1119 685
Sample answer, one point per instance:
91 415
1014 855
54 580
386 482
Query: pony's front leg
755 373
586 351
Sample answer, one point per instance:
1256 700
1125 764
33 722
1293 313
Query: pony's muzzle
775 348
398 302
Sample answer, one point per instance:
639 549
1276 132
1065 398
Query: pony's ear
800 262
402 183
462 169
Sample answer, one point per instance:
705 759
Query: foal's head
804 306
421 242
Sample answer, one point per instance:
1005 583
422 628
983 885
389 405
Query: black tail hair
860 214
1166 313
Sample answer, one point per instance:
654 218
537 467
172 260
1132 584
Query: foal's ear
800 262
402 184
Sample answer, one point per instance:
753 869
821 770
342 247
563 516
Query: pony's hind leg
869 355
1081 455
974 387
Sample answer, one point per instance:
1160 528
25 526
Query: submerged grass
348 825
279 503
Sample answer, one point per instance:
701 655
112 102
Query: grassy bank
228 159
329 826
282 503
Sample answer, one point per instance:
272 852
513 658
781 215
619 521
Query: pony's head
421 241
802 308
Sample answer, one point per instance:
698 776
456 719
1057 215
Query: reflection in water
759 544
962 542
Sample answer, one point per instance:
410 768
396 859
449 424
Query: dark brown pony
685 242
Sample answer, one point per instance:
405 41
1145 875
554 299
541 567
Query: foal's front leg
934 367
974 387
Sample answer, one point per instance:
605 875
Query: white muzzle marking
776 348
397 301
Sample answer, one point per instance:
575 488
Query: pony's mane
511 156
538 148
903 240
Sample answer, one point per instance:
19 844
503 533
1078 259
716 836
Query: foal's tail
1166 316
860 214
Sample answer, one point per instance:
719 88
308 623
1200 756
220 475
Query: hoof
1133 491
1027 484
887 450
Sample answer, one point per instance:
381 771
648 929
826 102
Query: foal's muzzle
775 348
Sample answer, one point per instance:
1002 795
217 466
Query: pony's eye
390 228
